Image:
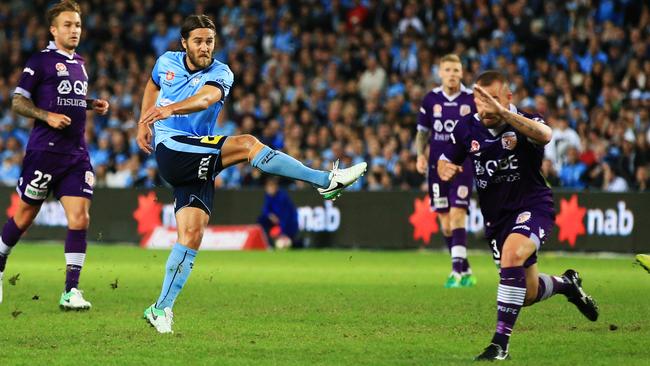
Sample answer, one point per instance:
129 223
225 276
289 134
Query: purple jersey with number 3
507 168
56 82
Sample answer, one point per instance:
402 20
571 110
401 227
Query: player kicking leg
193 196
522 285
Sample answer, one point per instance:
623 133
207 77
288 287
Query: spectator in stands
611 181
361 65
572 172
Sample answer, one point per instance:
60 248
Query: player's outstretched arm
204 98
421 141
534 130
144 135
25 107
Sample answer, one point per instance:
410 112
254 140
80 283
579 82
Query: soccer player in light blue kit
182 101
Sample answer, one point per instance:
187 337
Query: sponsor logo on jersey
475 146
462 191
61 69
195 81
523 217
29 71
170 76
509 140
465 109
437 110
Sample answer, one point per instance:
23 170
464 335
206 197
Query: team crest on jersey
90 178
509 140
465 109
475 146
462 192
170 75
523 217
437 110
61 69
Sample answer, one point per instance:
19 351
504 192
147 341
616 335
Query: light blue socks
178 269
278 163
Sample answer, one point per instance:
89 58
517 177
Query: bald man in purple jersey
507 147
52 90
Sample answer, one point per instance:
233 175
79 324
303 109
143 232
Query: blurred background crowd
325 80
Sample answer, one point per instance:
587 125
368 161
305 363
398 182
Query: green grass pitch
310 308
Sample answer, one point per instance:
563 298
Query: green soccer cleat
468 280
73 300
341 178
454 280
644 261
161 319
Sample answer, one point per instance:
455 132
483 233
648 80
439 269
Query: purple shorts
535 224
456 193
64 174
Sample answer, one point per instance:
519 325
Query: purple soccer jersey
56 160
513 194
439 114
56 82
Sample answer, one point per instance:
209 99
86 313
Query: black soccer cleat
578 297
493 352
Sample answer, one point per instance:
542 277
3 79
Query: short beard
197 62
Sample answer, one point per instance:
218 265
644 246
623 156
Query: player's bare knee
510 257
191 235
78 220
446 231
247 141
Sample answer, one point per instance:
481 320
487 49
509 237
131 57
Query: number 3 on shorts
496 254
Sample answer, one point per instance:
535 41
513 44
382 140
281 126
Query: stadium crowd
327 79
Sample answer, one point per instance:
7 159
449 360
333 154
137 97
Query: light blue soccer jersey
177 83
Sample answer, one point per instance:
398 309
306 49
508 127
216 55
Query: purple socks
8 239
510 298
75 255
458 250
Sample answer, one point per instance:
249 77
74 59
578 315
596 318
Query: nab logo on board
320 218
570 220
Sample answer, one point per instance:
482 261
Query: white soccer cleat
341 178
73 300
1 273
162 320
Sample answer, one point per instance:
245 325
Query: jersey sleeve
424 116
30 78
456 151
223 79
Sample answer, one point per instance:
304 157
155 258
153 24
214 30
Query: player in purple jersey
52 90
507 147
440 111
